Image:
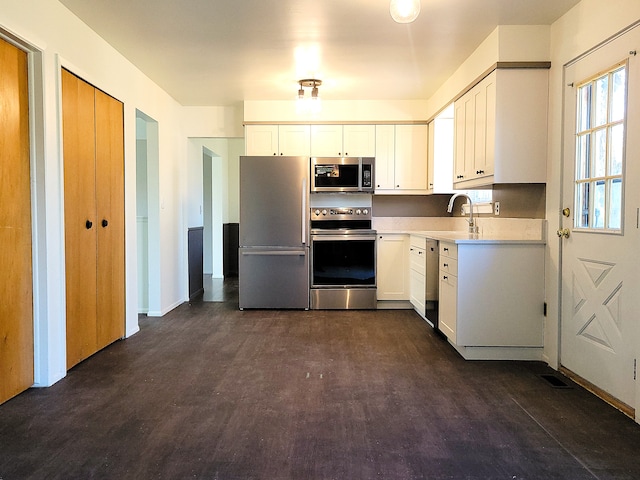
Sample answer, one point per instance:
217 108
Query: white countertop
459 237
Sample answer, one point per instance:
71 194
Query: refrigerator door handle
298 253
304 211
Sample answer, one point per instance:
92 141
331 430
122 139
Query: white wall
588 24
336 111
225 154
507 43
60 39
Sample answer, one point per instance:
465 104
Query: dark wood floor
211 392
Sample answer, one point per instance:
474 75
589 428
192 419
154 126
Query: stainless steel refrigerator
274 250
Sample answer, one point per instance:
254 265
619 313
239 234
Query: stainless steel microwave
342 174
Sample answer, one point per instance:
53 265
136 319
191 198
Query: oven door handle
333 238
276 253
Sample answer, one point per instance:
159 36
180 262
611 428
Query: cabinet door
484 124
392 273
294 140
359 140
417 291
326 141
261 139
78 124
110 219
385 152
16 281
431 156
448 305
411 157
460 123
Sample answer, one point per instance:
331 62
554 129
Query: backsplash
516 201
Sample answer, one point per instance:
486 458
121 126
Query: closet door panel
110 218
16 281
78 119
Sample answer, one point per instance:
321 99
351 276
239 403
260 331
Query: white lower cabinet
392 272
417 272
491 299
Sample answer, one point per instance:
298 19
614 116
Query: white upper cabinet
440 157
343 141
401 159
359 140
294 140
385 157
501 129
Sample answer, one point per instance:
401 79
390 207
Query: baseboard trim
600 393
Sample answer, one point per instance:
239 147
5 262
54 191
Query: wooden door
600 268
78 120
109 191
16 281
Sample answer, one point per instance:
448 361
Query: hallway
211 392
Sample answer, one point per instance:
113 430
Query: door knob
104 223
566 212
88 224
563 232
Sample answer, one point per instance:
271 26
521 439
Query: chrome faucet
472 225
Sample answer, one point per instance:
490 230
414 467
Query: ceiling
221 52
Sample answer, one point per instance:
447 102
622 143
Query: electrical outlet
496 208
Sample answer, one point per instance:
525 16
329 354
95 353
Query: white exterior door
600 263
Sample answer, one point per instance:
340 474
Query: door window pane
600 133
616 149
615 202
598 204
582 155
584 108
582 206
618 96
602 101
600 153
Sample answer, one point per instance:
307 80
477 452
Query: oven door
343 261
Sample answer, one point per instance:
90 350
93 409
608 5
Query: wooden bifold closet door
16 279
93 140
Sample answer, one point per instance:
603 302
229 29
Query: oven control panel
341 213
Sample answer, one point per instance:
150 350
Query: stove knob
324 212
358 212
365 211
317 212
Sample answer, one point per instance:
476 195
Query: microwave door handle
304 211
359 174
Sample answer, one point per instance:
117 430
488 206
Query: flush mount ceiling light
312 83
404 11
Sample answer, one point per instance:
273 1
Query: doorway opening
148 215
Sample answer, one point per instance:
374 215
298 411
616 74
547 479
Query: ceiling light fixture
404 11
312 83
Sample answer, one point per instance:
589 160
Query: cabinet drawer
418 242
449 265
418 260
448 250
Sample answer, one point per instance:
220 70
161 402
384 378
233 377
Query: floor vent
554 381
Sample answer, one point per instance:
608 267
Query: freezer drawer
274 278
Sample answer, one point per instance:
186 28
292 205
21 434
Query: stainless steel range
343 258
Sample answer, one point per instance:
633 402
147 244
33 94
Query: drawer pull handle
446 249
445 277
446 264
